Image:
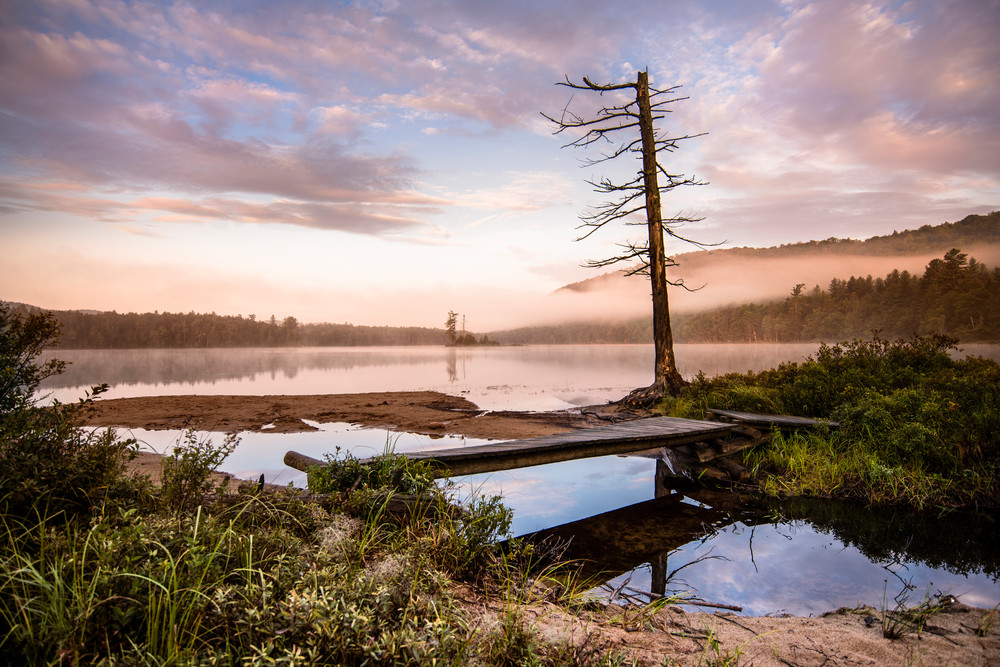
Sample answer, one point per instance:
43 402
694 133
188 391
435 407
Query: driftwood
694 602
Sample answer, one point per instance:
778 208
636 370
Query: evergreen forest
956 296
111 330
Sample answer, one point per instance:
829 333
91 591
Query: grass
917 427
902 619
255 578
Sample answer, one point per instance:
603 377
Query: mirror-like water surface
544 377
805 563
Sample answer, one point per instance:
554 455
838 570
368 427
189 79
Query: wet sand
425 412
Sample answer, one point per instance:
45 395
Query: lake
537 377
791 562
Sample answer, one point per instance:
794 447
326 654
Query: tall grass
917 427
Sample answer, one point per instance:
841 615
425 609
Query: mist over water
537 377
734 280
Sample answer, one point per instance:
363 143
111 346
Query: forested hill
956 295
97 330
970 232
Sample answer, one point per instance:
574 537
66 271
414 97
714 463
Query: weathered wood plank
621 438
609 440
767 421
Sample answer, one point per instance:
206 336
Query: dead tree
635 118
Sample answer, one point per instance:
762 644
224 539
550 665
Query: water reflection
820 557
799 557
542 377
720 548
537 377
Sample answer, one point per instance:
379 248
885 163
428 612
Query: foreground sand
847 637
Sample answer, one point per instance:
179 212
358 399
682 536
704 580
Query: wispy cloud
372 117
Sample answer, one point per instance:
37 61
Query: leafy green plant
187 470
343 472
48 463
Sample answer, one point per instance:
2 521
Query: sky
384 162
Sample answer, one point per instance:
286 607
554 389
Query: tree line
956 296
112 330
972 230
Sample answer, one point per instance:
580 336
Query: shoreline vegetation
917 427
98 566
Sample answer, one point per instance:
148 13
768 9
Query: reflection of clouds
794 567
808 574
557 493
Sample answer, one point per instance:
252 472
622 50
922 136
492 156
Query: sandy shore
424 412
848 637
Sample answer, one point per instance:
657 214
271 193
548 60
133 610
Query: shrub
905 404
187 471
48 463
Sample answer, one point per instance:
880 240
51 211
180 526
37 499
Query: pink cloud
874 84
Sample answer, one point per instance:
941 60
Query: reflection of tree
191 366
451 361
658 571
960 543
621 540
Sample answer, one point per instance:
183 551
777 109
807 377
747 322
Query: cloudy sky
385 162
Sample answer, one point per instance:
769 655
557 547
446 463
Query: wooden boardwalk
689 441
623 438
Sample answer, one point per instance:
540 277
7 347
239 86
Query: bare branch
641 194
589 85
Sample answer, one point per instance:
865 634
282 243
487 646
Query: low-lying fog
732 281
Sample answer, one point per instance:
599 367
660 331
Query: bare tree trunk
642 113
666 378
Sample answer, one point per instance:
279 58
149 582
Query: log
301 461
734 469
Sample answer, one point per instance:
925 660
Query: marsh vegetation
917 426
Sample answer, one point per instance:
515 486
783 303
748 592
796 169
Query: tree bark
666 378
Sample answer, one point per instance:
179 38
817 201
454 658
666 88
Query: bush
187 471
48 463
905 404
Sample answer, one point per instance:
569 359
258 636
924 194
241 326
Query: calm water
798 565
513 378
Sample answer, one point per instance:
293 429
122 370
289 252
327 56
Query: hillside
727 277
956 295
972 232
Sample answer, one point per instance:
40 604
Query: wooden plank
609 440
767 421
